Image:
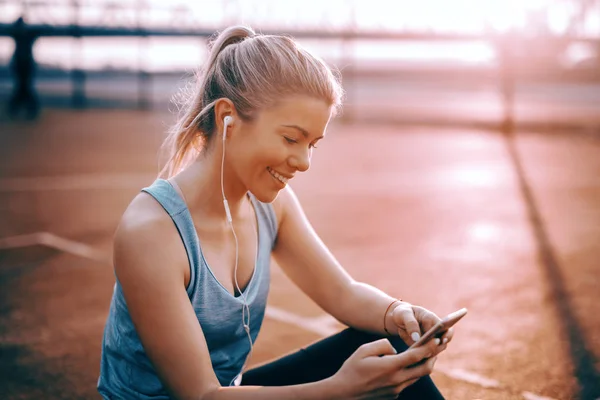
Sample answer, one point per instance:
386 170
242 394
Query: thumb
411 326
378 348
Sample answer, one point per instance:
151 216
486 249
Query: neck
201 186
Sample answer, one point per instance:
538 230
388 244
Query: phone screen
441 327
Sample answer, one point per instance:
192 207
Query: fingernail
415 336
437 341
445 340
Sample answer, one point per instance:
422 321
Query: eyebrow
302 130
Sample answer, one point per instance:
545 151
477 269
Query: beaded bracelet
385 314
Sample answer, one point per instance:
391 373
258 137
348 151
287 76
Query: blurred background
468 153
536 60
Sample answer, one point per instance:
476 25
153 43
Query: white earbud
227 121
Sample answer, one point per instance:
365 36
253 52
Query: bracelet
385 314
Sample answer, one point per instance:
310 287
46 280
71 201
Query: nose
300 160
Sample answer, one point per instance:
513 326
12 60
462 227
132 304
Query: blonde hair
253 71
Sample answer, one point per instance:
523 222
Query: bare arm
310 265
150 263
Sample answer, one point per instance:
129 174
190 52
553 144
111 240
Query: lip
286 176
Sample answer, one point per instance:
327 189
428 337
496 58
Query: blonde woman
192 251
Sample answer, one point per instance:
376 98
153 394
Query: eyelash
293 141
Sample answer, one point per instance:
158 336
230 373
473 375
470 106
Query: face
278 144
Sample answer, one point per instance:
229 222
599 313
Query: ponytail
196 122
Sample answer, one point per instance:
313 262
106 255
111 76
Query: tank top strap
166 195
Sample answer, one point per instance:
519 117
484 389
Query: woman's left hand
413 321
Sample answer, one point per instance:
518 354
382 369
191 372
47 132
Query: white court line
56 242
323 325
470 377
13 242
531 396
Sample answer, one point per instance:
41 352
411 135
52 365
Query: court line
56 242
324 325
470 377
531 396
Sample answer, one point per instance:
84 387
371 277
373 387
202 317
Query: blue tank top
125 370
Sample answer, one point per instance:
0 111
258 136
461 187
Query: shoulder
143 216
146 238
286 205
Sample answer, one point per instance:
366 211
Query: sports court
441 217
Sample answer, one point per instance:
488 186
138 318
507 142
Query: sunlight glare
483 232
475 176
458 15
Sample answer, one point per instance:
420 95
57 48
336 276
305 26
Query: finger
410 357
410 324
399 388
377 348
411 382
439 349
426 318
407 383
434 345
447 336
409 376
420 370
405 337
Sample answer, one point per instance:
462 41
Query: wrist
331 389
389 326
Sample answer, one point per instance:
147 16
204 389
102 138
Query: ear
224 107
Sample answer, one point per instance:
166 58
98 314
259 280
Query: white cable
245 306
227 211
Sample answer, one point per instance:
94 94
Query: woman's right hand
375 371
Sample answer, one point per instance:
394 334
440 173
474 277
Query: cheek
255 156
273 153
254 159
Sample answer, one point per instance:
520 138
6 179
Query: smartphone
441 327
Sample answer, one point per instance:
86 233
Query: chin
266 191
265 196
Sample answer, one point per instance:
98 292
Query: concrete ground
444 218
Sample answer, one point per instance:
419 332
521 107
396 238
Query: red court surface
444 218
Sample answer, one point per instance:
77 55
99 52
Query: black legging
323 359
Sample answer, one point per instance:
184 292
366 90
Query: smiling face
277 144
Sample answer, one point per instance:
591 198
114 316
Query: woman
192 250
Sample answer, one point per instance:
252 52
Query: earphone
226 122
245 307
